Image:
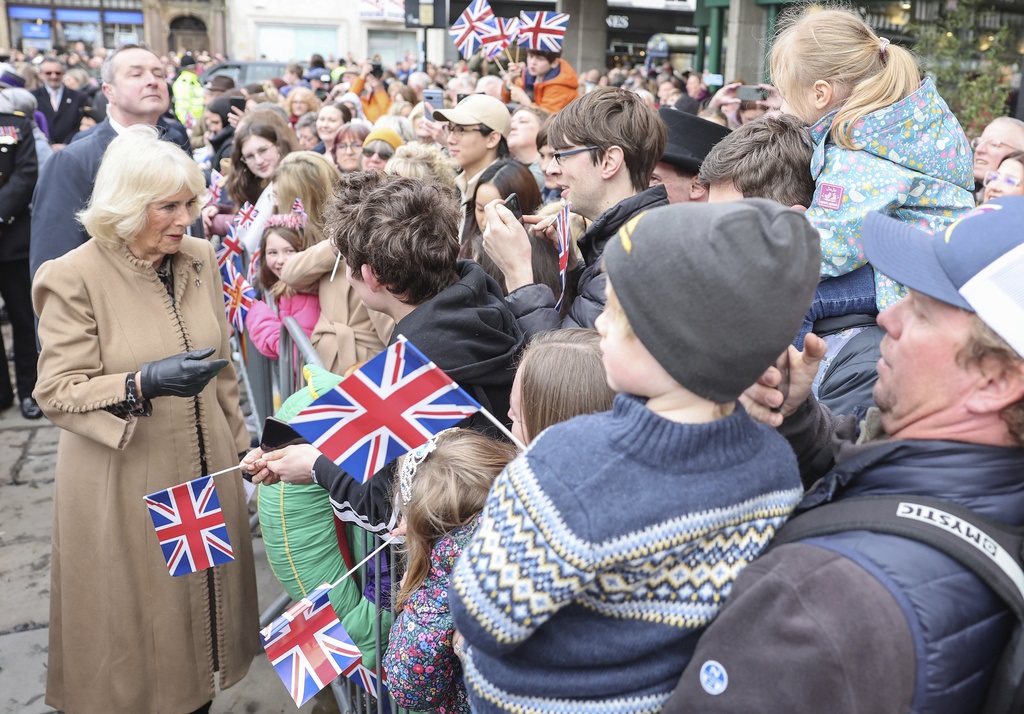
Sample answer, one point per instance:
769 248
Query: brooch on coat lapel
198 266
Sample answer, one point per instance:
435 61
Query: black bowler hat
690 139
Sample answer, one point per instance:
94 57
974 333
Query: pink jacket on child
264 327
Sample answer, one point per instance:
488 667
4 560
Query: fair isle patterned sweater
606 549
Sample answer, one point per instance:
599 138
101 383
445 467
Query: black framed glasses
559 155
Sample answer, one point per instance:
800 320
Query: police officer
18 171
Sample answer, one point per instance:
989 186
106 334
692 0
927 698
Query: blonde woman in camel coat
126 636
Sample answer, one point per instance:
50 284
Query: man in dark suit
18 171
136 92
62 106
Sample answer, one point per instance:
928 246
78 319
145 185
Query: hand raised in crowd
773 103
234 116
508 245
773 398
292 464
184 375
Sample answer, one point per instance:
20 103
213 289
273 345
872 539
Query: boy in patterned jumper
611 543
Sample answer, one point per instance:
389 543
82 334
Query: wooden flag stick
356 567
337 262
495 61
227 470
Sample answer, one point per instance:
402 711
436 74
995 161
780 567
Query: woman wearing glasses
379 146
347 149
1007 181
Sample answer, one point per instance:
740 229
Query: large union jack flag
504 33
308 646
564 243
190 526
238 295
386 408
542 30
476 20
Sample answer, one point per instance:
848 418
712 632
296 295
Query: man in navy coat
136 92
62 106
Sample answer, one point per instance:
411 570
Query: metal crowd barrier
269 385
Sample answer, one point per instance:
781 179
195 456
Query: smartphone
278 434
750 93
433 99
713 80
376 70
512 204
238 102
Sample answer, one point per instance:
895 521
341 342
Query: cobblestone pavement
28 451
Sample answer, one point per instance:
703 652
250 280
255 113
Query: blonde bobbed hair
836 46
421 161
138 169
311 178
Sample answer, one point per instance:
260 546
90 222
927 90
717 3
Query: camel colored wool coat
126 636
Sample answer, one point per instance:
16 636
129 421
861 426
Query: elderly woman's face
376 155
166 223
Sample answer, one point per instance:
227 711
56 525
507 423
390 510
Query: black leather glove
181 375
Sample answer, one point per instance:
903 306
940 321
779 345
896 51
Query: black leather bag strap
993 551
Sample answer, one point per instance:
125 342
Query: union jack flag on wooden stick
504 34
308 646
564 243
246 216
476 20
366 679
254 267
230 247
542 30
190 526
386 408
215 187
238 295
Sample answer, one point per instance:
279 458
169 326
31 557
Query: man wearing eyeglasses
1002 136
478 128
62 106
607 144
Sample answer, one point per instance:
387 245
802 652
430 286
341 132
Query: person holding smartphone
370 89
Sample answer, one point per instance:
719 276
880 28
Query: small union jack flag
230 247
366 679
216 178
542 30
254 267
386 408
190 526
190 121
564 244
504 34
297 206
238 295
245 217
476 20
308 646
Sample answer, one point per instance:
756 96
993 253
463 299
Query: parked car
245 72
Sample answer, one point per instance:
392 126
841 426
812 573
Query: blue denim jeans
852 293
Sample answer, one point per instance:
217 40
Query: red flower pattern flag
238 296
476 20
386 408
542 30
308 646
564 245
190 526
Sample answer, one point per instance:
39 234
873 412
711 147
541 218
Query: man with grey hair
136 92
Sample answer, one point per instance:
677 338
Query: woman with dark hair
498 181
219 132
347 148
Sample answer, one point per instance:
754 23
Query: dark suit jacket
63 123
18 171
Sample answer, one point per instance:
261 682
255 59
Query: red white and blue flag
297 206
246 216
366 679
542 30
308 646
502 35
564 245
475 21
190 526
238 295
386 408
216 178
254 267
230 247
